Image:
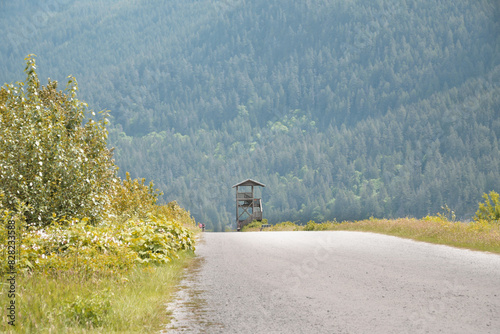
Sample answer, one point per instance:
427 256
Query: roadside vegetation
81 250
482 234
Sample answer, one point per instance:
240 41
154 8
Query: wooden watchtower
248 208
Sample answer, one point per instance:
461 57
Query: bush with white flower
59 189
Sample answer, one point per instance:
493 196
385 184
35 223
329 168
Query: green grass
69 303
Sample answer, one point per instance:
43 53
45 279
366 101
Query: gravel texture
336 282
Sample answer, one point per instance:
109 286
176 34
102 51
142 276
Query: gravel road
336 282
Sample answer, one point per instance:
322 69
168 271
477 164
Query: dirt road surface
335 282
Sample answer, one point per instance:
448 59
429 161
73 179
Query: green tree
52 158
490 209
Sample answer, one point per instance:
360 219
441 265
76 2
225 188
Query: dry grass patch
479 235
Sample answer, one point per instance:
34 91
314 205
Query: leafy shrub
313 226
106 249
74 220
57 181
490 209
254 225
75 246
173 212
132 198
51 157
157 240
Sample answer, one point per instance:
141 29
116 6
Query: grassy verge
72 277
480 235
69 303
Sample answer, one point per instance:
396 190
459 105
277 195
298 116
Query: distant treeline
410 162
344 110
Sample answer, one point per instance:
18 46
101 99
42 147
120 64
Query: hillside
343 109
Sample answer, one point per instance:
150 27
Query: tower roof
249 182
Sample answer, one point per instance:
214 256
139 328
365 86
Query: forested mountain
344 109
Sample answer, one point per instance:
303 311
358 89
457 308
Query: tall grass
481 235
67 303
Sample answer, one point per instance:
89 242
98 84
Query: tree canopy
52 158
343 109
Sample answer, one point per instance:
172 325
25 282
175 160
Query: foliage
345 110
173 212
252 226
79 263
377 168
158 241
50 158
133 198
58 179
107 249
79 246
489 210
313 226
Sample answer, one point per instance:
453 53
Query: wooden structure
248 208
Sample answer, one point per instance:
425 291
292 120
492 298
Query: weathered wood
248 208
249 182
244 195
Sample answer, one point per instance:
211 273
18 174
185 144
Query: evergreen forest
344 109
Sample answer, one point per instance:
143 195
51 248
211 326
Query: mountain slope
411 161
345 109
